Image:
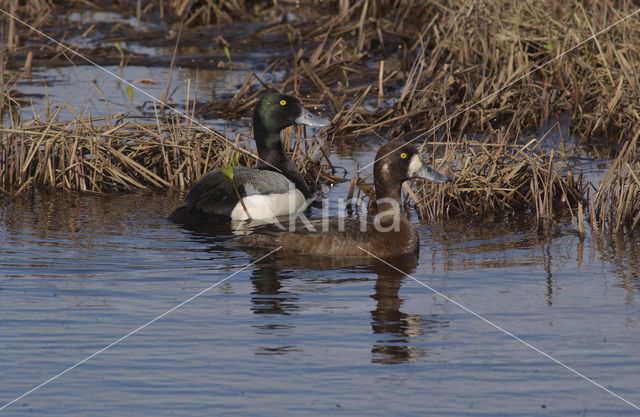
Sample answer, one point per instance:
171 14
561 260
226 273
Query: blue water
283 339
294 336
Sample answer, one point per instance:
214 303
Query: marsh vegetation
507 105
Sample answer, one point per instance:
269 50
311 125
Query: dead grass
408 66
493 179
36 12
125 154
503 178
390 67
204 12
616 205
439 69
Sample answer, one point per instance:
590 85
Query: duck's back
337 237
264 193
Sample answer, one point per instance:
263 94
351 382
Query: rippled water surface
302 337
292 336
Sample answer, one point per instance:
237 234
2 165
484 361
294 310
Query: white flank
269 205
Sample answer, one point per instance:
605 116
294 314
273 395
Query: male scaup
390 235
265 191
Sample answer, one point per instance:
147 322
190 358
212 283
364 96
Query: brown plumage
391 234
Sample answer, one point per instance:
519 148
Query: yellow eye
403 155
283 102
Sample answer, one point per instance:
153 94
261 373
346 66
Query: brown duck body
351 240
390 235
373 242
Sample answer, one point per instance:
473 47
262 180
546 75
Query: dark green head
276 111
273 113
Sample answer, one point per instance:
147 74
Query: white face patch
414 166
385 168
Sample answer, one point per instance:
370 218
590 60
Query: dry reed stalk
444 55
206 13
447 55
500 178
96 155
616 205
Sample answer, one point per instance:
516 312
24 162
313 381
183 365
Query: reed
476 61
442 70
616 205
205 12
125 154
503 178
480 63
493 179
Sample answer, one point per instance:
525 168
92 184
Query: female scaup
265 191
390 235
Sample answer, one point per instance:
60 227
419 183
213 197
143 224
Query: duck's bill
310 119
429 174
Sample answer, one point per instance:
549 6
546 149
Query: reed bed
126 154
398 66
410 65
436 69
501 178
616 204
490 178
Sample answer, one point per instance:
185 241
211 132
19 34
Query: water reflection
397 330
268 296
472 244
623 252
80 217
467 244
398 334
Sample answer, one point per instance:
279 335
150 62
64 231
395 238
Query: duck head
273 113
397 162
277 111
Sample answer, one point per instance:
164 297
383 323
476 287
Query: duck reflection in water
398 334
268 296
398 331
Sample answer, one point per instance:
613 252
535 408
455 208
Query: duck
275 187
389 235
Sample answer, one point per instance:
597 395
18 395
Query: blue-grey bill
429 174
310 119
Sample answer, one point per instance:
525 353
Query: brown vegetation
617 202
98 155
497 178
418 69
478 61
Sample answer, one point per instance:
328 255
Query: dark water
285 338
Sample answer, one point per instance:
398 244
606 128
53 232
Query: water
283 338
293 336
86 90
